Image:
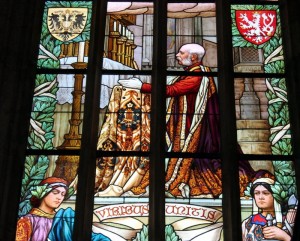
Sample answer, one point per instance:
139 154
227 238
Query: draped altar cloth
127 128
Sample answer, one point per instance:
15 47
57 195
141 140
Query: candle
115 26
120 28
80 52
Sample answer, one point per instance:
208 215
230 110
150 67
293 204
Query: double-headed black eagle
66 22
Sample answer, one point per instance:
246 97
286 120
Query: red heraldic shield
256 26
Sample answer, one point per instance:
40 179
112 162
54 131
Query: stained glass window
91 145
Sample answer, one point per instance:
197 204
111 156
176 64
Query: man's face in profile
183 57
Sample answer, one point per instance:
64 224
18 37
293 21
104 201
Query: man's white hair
195 49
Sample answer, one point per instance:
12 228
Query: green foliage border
170 234
44 101
278 107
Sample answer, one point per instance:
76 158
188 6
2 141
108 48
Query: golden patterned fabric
24 229
126 128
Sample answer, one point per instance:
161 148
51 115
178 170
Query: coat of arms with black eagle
66 24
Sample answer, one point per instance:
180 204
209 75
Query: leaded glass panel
57 112
128 36
65 34
263 125
269 203
47 202
257 39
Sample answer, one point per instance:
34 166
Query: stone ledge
252 124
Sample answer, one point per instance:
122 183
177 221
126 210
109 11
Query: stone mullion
230 174
87 165
291 38
157 146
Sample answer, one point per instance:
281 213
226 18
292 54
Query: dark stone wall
18 47
293 66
